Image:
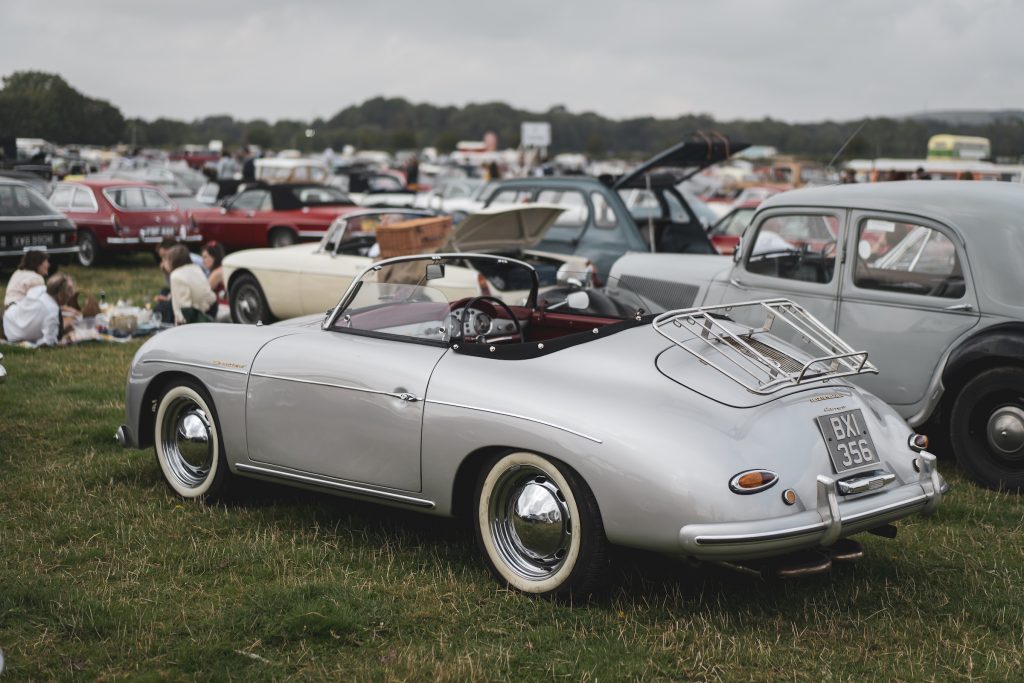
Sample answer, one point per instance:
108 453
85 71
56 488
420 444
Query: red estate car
120 216
273 215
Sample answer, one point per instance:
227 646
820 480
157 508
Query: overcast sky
795 60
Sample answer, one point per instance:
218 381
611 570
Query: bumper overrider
821 526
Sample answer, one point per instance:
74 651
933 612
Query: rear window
156 200
127 198
21 201
83 199
319 195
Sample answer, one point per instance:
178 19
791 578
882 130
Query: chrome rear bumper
823 525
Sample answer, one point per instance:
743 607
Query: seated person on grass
41 318
191 296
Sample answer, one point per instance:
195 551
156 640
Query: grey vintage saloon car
727 435
928 277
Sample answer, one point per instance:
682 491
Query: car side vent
738 340
667 295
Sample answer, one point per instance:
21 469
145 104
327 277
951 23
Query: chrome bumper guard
48 250
822 525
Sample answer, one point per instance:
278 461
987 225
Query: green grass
104 574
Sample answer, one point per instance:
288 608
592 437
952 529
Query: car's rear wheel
88 249
186 439
987 428
282 237
248 303
539 526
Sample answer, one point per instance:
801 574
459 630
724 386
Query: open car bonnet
506 228
694 155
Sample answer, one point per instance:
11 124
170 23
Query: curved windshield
19 201
416 296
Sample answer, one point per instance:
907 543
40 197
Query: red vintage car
273 215
120 216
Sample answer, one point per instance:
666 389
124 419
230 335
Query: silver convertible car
722 434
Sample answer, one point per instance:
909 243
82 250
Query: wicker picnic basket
419 236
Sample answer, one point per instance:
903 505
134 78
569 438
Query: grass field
105 575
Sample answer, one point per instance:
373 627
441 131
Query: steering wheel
501 304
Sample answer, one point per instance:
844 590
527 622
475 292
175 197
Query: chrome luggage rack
760 367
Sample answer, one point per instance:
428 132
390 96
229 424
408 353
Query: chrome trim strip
519 417
203 366
763 536
312 233
48 250
349 488
122 240
405 397
810 528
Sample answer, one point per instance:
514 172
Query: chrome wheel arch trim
336 485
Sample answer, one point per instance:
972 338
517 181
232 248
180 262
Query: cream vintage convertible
275 284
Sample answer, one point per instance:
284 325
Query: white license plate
846 436
158 231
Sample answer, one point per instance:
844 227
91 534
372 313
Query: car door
238 223
906 298
786 256
341 405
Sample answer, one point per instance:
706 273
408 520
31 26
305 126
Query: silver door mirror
578 300
435 271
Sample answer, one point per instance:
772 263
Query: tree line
38 104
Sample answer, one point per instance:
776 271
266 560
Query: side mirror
435 271
578 300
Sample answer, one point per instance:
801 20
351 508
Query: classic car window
61 197
83 200
643 204
576 213
509 197
18 200
796 247
155 200
252 200
735 223
907 258
385 183
319 195
604 215
129 198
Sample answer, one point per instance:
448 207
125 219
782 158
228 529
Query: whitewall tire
539 526
186 439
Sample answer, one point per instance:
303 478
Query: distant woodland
37 104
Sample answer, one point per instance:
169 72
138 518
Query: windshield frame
353 289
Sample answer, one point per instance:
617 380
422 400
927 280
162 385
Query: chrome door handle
409 398
736 283
960 307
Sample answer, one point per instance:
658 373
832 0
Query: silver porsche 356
724 433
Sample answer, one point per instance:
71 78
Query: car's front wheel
987 428
187 442
88 249
282 237
539 526
248 303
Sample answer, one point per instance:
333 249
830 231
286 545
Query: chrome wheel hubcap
1006 431
247 306
188 442
530 522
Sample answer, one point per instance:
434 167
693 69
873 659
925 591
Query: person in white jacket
192 299
37 319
